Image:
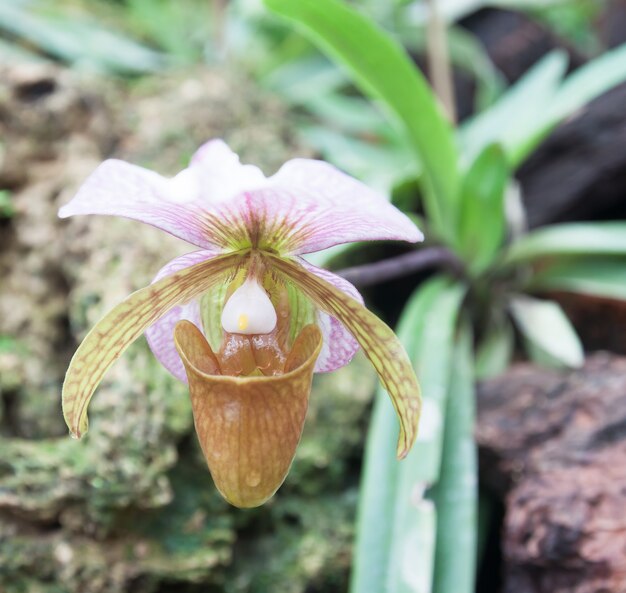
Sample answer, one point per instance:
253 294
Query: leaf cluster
417 521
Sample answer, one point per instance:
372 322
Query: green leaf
11 53
432 359
601 277
584 238
588 82
454 10
482 223
585 84
466 54
527 112
384 71
546 328
180 28
514 120
298 80
350 114
379 165
10 345
395 541
7 209
495 350
456 494
82 43
379 479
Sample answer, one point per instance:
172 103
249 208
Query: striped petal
160 335
306 206
118 188
323 207
378 341
339 345
110 337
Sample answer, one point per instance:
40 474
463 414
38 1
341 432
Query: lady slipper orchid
245 320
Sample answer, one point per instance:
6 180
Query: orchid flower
245 320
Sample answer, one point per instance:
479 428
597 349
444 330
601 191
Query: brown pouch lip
206 364
248 427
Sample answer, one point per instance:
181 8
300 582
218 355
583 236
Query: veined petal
248 427
110 337
326 207
117 188
339 344
298 219
378 341
306 206
160 335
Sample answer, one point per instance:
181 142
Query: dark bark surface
599 322
553 444
514 41
579 173
612 24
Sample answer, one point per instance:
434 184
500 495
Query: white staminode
249 311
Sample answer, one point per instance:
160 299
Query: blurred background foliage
138 38
134 509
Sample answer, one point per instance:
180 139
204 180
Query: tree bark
553 444
579 173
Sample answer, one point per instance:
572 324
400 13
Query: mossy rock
132 507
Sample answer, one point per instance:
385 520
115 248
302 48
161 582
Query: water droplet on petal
253 479
74 436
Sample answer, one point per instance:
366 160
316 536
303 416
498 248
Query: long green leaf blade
517 116
394 548
583 238
379 479
82 43
456 496
531 108
594 276
547 330
412 552
377 498
589 82
482 223
383 70
495 350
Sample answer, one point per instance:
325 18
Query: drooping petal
339 344
118 188
110 337
160 335
248 427
378 341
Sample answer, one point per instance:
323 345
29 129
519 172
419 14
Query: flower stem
402 265
439 60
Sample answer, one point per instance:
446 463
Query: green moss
132 506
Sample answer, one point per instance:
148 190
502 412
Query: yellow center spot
243 322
